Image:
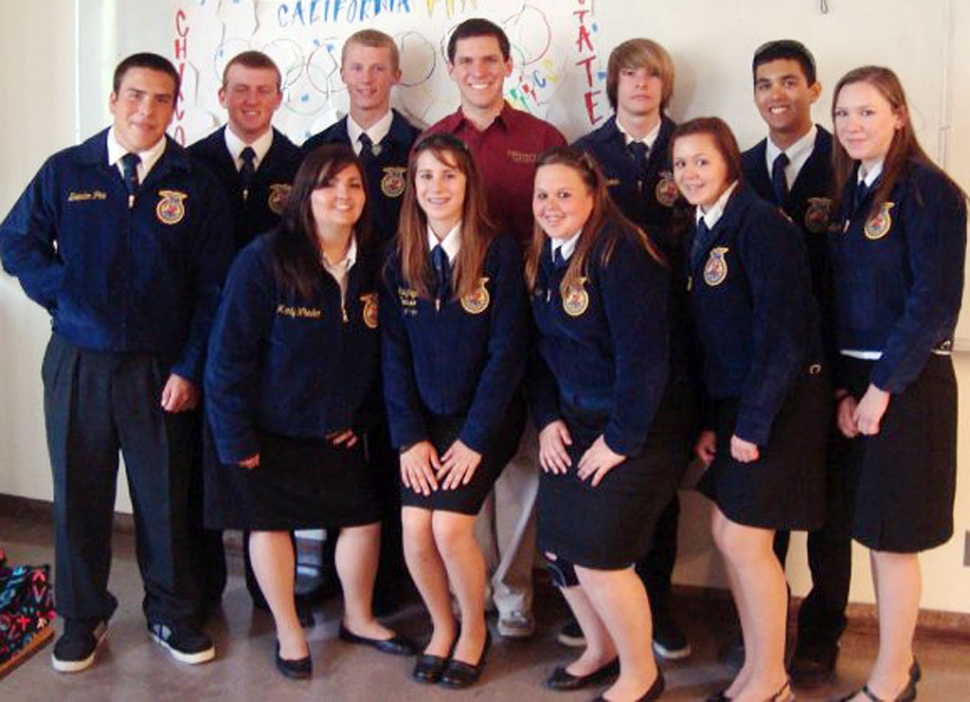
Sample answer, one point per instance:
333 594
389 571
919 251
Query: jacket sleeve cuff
753 429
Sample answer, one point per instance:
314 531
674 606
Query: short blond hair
376 40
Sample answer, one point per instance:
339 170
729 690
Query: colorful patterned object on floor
26 612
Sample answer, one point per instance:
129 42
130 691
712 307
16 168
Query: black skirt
902 481
611 526
300 483
785 487
468 499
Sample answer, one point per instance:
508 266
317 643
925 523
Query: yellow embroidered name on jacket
299 312
81 197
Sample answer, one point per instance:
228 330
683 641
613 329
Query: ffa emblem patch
170 208
575 300
392 184
880 223
279 193
716 268
666 190
370 310
817 214
476 302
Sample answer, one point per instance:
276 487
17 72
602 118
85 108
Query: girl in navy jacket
292 355
599 299
757 326
454 332
898 254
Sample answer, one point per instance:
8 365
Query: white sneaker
516 625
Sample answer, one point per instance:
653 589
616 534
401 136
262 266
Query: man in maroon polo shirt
505 143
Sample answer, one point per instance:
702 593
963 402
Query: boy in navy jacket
125 242
792 168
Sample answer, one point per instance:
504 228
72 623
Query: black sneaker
571 635
669 641
186 644
76 648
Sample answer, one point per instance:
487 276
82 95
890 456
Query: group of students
481 303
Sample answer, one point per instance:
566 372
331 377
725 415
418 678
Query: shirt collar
236 145
376 131
349 260
716 210
798 153
648 140
565 246
148 157
871 176
451 243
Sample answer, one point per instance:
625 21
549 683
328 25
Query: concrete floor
132 668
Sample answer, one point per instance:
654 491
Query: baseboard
940 625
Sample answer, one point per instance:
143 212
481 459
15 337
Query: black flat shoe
397 645
428 668
458 674
653 692
562 679
907 695
296 669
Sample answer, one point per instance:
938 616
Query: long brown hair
903 148
476 228
297 262
603 210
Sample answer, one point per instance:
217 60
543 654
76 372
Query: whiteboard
560 50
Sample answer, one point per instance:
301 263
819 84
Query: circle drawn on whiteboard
418 59
224 54
530 34
323 66
288 57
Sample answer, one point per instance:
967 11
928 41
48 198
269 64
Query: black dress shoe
397 645
428 668
562 679
814 663
653 692
458 674
297 669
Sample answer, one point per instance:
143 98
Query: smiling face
251 95
784 99
142 108
639 92
440 190
700 171
369 74
865 122
561 201
338 203
480 72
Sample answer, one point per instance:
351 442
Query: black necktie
130 164
861 192
702 236
779 184
366 149
439 261
248 169
558 262
639 151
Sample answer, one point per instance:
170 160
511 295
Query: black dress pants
97 404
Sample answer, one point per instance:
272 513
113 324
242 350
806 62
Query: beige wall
37 69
